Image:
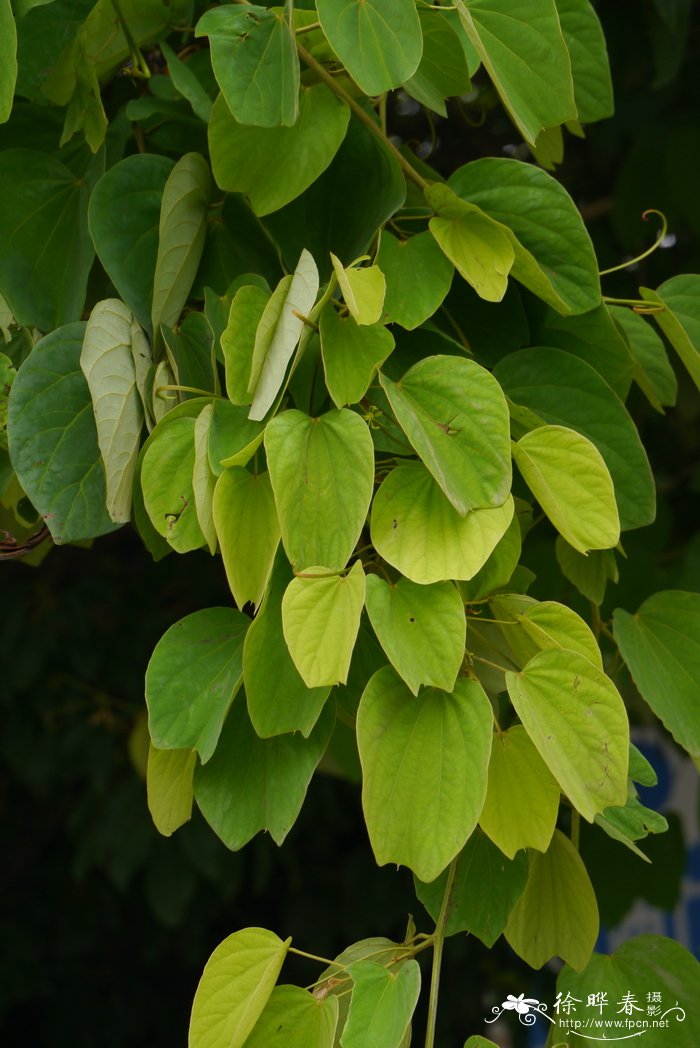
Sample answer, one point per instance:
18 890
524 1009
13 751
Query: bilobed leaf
192 677
553 259
363 290
248 530
249 159
378 41
585 41
295 1018
8 59
351 354
53 440
568 477
253 784
416 529
565 391
382 1004
522 798
424 762
418 276
204 478
660 646
322 472
47 253
238 340
320 620
181 235
680 319
278 699
641 962
235 986
557 914
254 58
524 53
107 362
421 628
442 72
169 785
279 332
124 217
653 372
485 889
455 415
167 471
574 715
477 246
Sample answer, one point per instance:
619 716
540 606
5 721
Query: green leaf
320 620
53 441
442 72
680 320
456 417
248 531
169 784
418 277
382 1004
424 763
187 83
322 473
8 59
181 235
238 340
565 391
192 677
278 699
592 336
574 715
351 354
524 53
421 628
636 966
249 159
233 437
653 372
278 334
363 290
585 41
546 624
568 477
588 572
167 471
253 784
522 798
557 914
499 566
235 986
124 217
107 362
486 887
418 531
47 253
553 259
203 478
314 220
294 1018
378 41
660 646
630 823
476 245
254 57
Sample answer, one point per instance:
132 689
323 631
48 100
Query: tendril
657 243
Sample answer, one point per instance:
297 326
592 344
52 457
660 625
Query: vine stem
438 943
361 115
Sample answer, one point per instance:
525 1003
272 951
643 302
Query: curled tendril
657 243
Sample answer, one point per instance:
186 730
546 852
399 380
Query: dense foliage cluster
240 314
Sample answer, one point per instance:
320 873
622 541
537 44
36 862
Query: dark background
105 925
